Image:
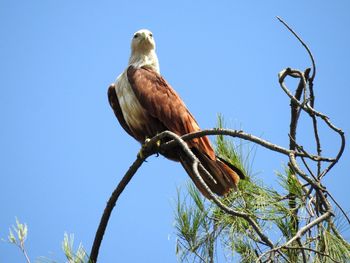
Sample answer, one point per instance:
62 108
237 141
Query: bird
145 105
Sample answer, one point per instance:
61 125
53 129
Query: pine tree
203 228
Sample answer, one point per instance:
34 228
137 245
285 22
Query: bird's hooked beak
145 37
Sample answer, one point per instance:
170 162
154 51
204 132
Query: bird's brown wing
162 102
114 102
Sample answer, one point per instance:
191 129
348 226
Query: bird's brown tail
226 175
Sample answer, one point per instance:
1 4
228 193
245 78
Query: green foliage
18 235
202 227
335 246
19 238
21 231
79 256
196 230
227 150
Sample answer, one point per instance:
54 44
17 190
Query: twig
301 231
315 251
192 250
339 206
308 168
304 45
110 205
295 113
317 138
22 248
312 112
245 136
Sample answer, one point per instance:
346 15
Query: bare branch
304 45
110 205
245 136
312 112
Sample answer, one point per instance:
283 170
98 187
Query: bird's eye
150 34
136 35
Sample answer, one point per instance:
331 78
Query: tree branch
110 205
304 45
245 136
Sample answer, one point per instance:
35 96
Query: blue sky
62 151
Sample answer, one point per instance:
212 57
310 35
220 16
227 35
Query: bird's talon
143 148
140 154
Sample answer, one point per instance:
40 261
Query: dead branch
145 152
304 45
248 137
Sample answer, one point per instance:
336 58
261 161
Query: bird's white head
143 41
143 52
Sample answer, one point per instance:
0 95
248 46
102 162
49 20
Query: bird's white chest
133 112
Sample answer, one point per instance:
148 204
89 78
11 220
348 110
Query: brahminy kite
145 104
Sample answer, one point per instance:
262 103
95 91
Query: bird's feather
161 101
114 103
